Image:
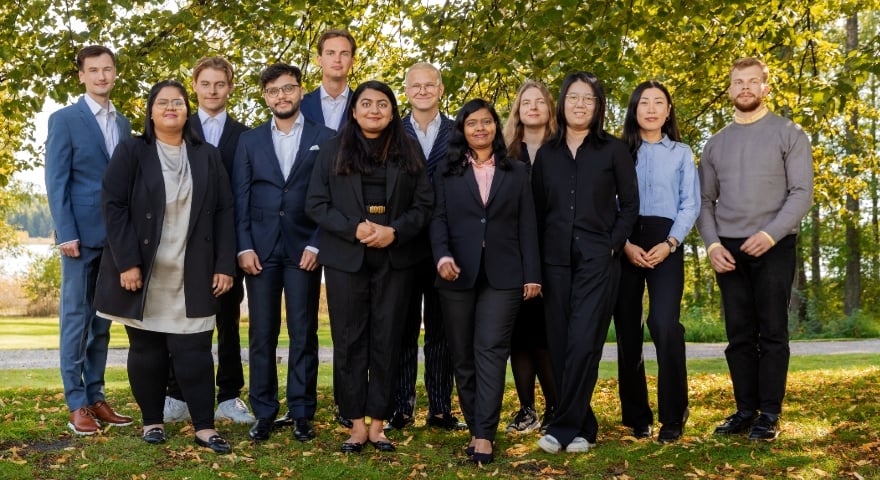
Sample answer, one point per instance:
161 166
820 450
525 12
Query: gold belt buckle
376 209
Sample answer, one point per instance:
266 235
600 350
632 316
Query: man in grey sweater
756 179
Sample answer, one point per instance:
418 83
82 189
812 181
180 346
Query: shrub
42 284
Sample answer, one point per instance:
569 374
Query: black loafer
765 428
469 450
383 446
445 421
643 432
216 443
484 458
345 422
351 447
155 436
261 430
286 421
303 430
739 422
399 421
670 432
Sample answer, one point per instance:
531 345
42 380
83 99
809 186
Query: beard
284 115
747 105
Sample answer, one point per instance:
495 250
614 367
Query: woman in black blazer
170 253
485 244
370 196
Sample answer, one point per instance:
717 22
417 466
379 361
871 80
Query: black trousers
438 363
578 300
479 323
665 284
149 357
230 373
367 312
755 297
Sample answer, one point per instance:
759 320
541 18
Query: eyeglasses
170 104
275 91
417 87
575 98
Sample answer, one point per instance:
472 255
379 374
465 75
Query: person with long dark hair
531 123
370 196
669 193
484 241
587 200
170 254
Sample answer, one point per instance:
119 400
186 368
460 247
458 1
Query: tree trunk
852 296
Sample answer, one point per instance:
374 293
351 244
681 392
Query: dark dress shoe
446 421
286 421
303 430
469 450
345 422
766 428
399 421
739 422
484 458
154 436
216 443
670 432
261 429
383 446
643 432
351 447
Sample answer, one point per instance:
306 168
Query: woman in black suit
170 253
370 196
485 244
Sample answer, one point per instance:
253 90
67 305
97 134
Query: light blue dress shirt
668 184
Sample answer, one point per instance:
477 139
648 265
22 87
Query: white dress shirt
212 126
107 121
333 108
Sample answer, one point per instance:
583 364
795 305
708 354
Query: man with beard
277 245
756 178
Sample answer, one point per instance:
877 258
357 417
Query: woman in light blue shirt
669 194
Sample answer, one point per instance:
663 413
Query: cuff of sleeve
535 284
244 251
712 246
444 260
68 242
312 249
772 242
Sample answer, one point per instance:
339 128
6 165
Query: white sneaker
234 409
175 410
549 444
579 445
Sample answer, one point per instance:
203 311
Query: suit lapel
392 171
471 182
266 152
497 179
306 141
198 168
91 123
151 171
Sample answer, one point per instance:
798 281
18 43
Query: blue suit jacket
76 158
311 107
268 208
437 159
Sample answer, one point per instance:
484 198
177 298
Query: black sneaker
739 422
765 428
526 420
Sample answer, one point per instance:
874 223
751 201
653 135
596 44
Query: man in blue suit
277 245
327 104
81 138
425 123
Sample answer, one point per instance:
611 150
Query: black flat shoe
670 432
643 432
286 421
484 458
155 436
383 446
469 450
216 443
351 447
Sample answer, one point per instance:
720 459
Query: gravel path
18 359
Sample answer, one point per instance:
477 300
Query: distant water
12 265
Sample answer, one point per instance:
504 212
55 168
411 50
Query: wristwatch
672 246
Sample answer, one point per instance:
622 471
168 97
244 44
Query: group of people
514 241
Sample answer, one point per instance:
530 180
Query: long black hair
189 136
358 155
456 154
631 131
597 135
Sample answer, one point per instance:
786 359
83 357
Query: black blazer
232 129
437 159
506 225
133 203
336 203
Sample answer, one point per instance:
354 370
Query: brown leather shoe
82 422
104 413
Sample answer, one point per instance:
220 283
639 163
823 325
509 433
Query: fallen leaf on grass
820 472
518 463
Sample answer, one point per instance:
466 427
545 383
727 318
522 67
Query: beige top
165 304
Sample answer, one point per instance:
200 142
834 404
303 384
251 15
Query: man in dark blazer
212 83
81 139
326 104
425 123
277 245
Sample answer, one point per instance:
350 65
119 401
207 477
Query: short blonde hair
217 63
747 62
423 66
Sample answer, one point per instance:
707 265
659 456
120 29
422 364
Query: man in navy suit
212 83
326 104
425 123
277 245
81 138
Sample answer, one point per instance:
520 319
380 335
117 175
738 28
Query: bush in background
42 285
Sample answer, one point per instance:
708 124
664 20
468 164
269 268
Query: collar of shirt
426 139
96 108
665 141
220 117
297 125
326 96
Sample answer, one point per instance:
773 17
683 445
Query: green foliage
42 284
32 215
